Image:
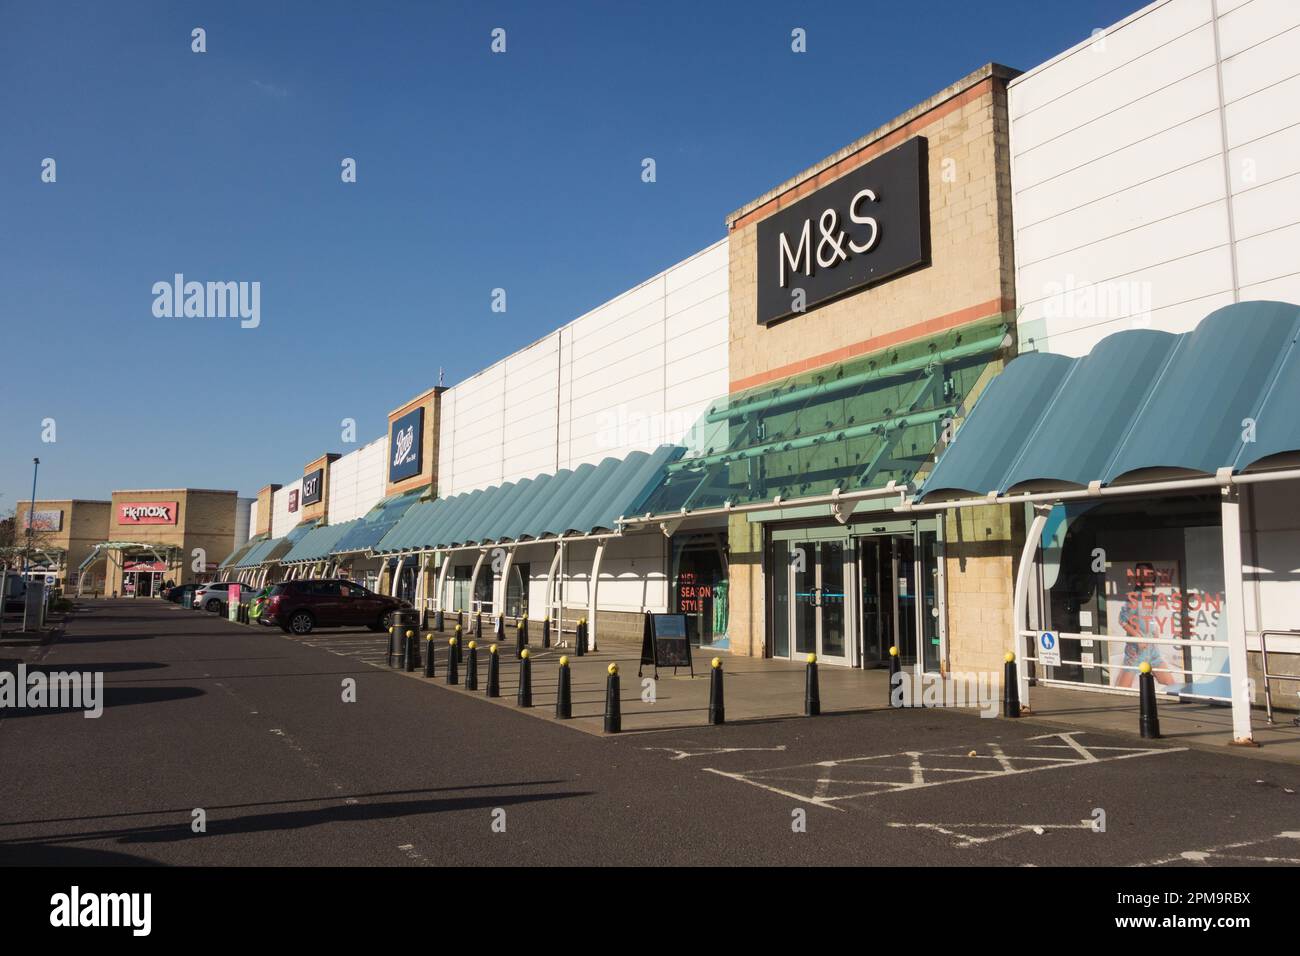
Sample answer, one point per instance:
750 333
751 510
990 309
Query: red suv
302 606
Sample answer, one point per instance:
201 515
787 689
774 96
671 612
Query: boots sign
865 227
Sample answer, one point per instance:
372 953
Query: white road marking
999 831
1223 853
709 751
878 774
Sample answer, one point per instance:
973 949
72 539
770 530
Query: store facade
65 532
871 300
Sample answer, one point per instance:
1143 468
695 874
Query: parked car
210 597
176 594
302 606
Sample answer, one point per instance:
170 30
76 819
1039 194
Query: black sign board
313 486
665 643
867 226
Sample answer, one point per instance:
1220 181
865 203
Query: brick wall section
321 508
265 504
432 402
982 553
746 595
85 524
971 272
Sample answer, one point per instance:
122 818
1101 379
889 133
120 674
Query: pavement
303 751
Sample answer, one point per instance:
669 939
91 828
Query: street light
27 552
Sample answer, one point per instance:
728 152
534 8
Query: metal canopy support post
1234 608
499 589
1020 603
473 580
397 573
441 596
592 590
421 587
550 588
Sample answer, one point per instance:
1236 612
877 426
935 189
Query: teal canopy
366 532
319 543
583 500
1225 395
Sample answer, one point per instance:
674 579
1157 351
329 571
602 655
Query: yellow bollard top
564 660
612 668
429 636
410 634
492 648
451 640
457 628
716 662
472 645
1009 657
812 658
524 653
893 652
1145 667
392 630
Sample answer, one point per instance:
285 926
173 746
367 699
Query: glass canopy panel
853 425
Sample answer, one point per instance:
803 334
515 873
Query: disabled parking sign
1049 649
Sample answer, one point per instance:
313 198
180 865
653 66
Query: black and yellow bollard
546 632
494 672
392 650
1010 687
524 697
471 667
408 651
527 637
717 709
439 621
812 695
478 626
521 641
428 655
895 667
564 696
1148 718
613 710
453 668
460 620
580 640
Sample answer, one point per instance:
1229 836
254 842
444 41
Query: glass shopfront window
699 587
1144 573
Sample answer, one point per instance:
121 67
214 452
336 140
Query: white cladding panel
245 515
282 520
1122 150
357 481
631 374
252 518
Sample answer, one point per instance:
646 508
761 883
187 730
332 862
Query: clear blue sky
475 171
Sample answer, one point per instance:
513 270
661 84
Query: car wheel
301 623
212 607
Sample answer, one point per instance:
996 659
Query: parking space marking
1231 854
963 838
828 782
710 751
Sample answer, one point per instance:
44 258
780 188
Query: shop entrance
849 594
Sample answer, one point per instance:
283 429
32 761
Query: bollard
453 672
392 636
520 640
428 655
1148 718
564 697
439 621
812 698
525 696
499 628
424 619
408 651
524 626
1010 689
717 710
478 626
494 673
895 667
460 620
453 649
613 713
546 632
580 640
471 667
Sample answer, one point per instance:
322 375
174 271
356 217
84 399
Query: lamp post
27 552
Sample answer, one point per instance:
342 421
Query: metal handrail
1263 653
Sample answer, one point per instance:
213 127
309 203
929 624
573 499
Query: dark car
176 594
302 606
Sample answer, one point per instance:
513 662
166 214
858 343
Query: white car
210 597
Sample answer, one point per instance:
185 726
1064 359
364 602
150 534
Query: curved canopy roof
365 532
1225 395
584 500
318 543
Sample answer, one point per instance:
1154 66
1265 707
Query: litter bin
401 621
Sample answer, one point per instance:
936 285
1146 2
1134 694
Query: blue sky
474 171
